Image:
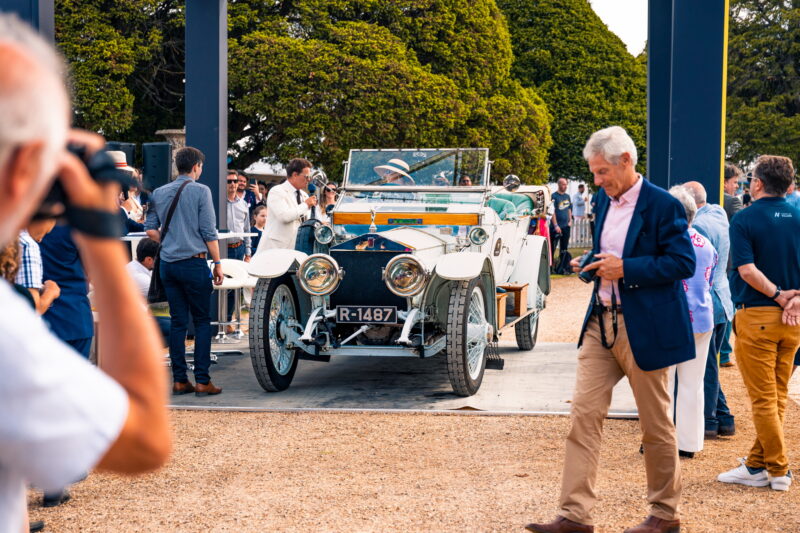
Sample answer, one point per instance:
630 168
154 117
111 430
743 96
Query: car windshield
458 167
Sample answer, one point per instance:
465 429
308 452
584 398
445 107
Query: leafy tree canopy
316 78
582 71
763 111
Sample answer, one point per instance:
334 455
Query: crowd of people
671 272
673 276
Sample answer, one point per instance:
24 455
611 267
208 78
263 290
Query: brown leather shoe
560 525
653 524
206 389
182 387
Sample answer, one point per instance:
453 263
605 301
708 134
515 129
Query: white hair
611 143
34 105
685 197
698 192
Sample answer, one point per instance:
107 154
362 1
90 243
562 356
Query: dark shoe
688 455
36 525
206 389
727 431
560 525
654 524
726 364
182 387
641 449
55 499
711 434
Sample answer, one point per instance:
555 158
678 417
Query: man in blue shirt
191 238
711 222
765 239
561 221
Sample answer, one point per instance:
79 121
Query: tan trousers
765 351
599 370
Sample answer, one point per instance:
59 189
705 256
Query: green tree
126 63
336 75
582 71
315 77
763 111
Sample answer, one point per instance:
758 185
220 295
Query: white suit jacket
283 217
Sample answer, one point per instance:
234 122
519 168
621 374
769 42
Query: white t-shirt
140 275
58 413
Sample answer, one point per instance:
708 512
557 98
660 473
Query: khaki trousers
765 351
599 370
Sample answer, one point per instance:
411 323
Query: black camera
101 168
588 276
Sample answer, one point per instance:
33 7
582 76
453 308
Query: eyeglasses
233 181
328 189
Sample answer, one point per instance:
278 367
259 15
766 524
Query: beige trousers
599 370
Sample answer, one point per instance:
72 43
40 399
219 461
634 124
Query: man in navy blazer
637 324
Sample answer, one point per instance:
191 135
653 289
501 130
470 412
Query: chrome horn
316 185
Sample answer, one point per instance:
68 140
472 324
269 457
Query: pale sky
626 18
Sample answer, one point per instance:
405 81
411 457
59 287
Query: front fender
460 266
456 267
274 263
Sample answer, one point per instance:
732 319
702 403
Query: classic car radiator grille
363 283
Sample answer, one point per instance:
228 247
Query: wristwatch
777 293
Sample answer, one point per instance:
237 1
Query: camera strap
95 222
599 309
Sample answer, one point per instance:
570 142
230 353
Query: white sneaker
780 482
747 476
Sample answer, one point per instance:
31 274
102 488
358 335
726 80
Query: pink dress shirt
615 229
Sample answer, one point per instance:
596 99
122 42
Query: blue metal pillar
207 93
38 13
686 93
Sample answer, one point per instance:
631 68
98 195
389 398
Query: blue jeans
234 253
82 346
725 348
188 287
716 406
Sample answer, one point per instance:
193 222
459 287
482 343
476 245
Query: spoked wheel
274 306
527 329
467 331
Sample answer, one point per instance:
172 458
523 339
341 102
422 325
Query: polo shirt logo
783 215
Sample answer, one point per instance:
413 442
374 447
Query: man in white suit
288 205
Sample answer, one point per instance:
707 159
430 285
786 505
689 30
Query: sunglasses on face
233 181
330 190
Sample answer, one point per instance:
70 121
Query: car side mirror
511 183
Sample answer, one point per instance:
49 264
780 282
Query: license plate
366 314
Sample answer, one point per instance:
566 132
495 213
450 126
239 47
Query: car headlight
323 234
478 236
405 276
319 274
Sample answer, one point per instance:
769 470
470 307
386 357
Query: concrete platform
540 381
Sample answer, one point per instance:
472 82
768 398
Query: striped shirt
30 266
193 224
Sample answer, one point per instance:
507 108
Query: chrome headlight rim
419 284
331 285
323 234
478 236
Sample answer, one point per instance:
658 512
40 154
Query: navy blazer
657 255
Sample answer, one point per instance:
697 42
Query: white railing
580 234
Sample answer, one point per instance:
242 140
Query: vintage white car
421 255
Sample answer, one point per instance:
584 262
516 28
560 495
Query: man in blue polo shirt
765 243
561 221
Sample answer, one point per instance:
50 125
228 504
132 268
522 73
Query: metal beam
37 13
687 76
207 93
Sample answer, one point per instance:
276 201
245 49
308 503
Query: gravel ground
378 472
